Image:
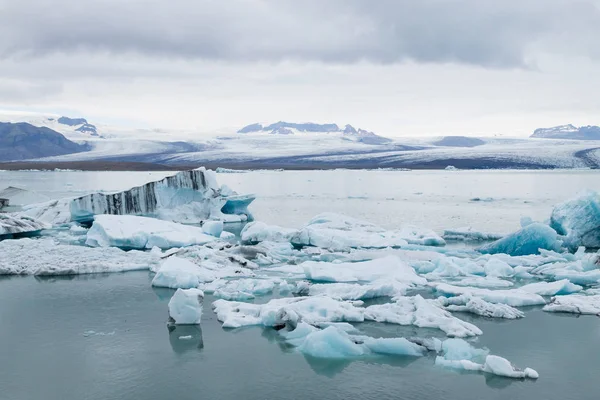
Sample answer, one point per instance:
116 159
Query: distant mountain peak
569 131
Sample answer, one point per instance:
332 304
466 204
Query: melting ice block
133 232
512 297
475 305
561 287
11 224
339 232
576 304
47 257
256 232
185 307
528 240
579 220
188 196
176 272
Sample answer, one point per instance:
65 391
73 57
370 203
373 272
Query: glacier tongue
188 196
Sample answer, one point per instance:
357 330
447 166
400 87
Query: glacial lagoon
106 336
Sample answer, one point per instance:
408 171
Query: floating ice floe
339 232
458 354
47 257
185 307
575 303
391 268
475 305
489 282
11 224
420 312
561 287
353 291
468 234
133 232
528 240
243 289
277 312
256 232
579 220
512 297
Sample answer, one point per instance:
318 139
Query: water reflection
184 338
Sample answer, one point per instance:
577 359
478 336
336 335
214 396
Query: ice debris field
315 285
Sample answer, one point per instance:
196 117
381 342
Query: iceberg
458 354
133 232
54 212
45 256
578 220
244 289
475 305
353 291
14 224
561 287
340 233
188 197
256 232
528 240
390 267
179 273
468 234
213 228
420 312
185 307
575 303
394 346
330 343
277 312
512 297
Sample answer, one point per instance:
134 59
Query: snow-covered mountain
589 132
72 128
292 128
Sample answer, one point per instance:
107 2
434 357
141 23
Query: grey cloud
479 32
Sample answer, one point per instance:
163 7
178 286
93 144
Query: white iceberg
257 231
11 224
330 343
244 289
391 267
213 228
475 305
340 233
489 282
579 220
47 257
528 240
133 232
353 291
575 303
420 312
468 234
185 307
512 297
394 346
176 272
560 287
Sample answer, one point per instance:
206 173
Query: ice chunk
423 313
256 232
11 224
352 291
185 307
489 282
498 268
455 266
188 196
475 305
579 220
312 310
133 232
468 234
339 232
502 367
245 289
330 343
576 304
47 257
227 236
552 288
176 272
54 212
213 228
528 240
390 267
394 346
512 297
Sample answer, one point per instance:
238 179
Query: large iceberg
339 232
133 232
47 257
423 313
579 220
185 307
528 240
12 224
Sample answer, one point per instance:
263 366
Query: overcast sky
399 68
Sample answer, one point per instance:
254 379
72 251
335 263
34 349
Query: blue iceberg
526 241
578 220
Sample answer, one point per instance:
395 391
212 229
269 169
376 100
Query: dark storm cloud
497 33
